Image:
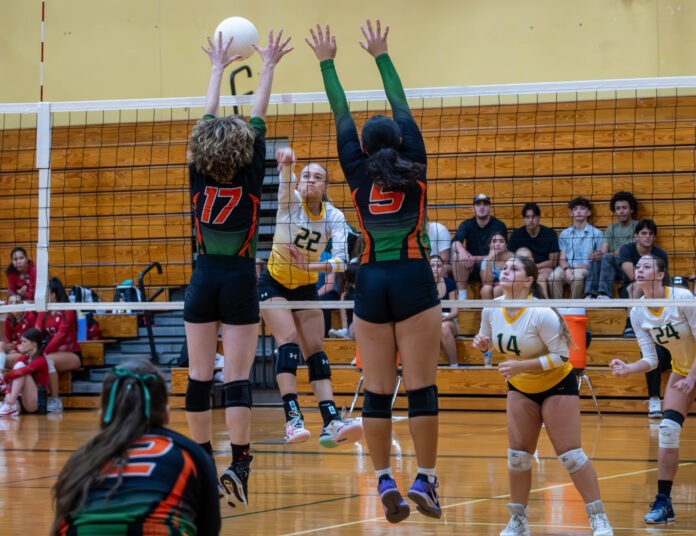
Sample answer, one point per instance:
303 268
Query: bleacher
119 200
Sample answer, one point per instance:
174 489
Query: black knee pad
288 358
319 368
674 416
422 402
237 394
377 406
198 395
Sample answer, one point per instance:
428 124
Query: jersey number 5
212 193
382 202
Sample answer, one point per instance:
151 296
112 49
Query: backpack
83 294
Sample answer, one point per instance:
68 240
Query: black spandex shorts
222 288
270 288
567 386
392 291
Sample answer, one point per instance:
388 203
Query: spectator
446 290
476 232
62 349
16 323
493 265
579 244
328 287
346 330
440 241
630 254
540 240
28 374
604 272
21 275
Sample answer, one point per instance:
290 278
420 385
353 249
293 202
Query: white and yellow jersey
296 225
531 333
671 327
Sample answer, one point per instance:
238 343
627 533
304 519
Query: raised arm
323 44
217 52
286 159
271 55
376 45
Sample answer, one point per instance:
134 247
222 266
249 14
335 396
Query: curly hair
221 146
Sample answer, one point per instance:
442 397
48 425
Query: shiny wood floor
304 489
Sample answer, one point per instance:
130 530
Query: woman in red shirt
62 349
21 275
29 373
16 323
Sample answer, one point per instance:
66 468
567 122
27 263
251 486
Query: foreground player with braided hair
386 171
136 476
542 390
674 328
227 167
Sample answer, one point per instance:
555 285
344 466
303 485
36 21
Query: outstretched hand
275 50
284 156
375 41
322 43
218 51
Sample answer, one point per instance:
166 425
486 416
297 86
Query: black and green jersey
169 486
226 215
393 223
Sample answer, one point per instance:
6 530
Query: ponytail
386 168
133 399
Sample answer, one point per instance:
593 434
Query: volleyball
244 33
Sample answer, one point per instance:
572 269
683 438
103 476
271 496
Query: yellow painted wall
111 49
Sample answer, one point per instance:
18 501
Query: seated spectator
446 290
28 374
476 232
524 252
62 349
16 323
440 241
579 245
541 241
603 273
328 287
346 330
21 275
492 265
630 254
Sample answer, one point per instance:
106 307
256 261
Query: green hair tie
121 373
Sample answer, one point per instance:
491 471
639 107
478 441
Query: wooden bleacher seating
120 198
113 327
476 387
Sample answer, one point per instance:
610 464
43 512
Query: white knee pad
51 366
519 460
19 365
573 460
669 434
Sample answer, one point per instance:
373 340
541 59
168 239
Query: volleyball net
97 192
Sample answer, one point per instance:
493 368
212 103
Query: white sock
382 472
3 359
461 294
430 473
